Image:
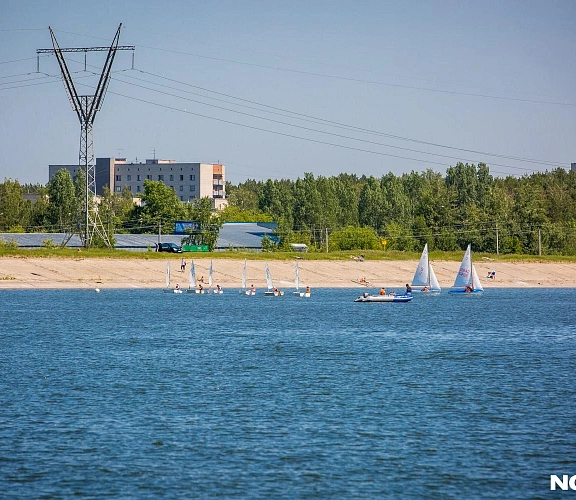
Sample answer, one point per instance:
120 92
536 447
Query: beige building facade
188 180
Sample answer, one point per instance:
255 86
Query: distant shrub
10 244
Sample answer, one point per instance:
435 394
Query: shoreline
90 273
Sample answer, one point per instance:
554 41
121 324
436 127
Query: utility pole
497 249
539 243
86 107
326 240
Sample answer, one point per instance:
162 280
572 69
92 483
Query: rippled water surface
138 393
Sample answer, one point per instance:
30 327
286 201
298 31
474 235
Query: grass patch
369 255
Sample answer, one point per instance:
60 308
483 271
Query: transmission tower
86 107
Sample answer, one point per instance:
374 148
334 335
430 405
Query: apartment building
188 180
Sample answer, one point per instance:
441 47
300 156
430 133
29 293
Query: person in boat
469 288
308 289
382 291
200 287
391 292
408 289
218 288
425 289
177 286
366 294
253 290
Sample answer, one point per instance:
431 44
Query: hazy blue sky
277 89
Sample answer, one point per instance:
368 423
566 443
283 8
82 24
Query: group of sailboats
466 281
193 285
424 281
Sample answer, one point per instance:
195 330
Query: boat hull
384 298
464 292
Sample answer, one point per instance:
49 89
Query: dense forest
466 205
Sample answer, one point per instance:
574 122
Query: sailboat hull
464 292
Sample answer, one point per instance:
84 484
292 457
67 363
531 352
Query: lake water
140 394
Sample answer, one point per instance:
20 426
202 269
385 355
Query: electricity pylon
86 107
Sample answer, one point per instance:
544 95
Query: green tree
200 210
62 202
160 205
14 210
355 238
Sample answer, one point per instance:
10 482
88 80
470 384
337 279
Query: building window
138 178
181 177
172 188
192 188
181 188
118 188
171 177
181 198
118 177
192 177
149 177
129 188
129 177
161 177
137 189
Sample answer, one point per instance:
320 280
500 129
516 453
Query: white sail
297 278
434 285
210 275
244 276
464 276
476 285
422 274
268 278
192 275
168 274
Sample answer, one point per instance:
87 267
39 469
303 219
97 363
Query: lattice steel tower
86 107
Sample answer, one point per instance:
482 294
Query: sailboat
297 292
424 279
192 287
271 290
467 280
168 289
244 291
218 289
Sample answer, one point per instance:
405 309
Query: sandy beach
43 273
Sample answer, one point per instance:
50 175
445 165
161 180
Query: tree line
466 205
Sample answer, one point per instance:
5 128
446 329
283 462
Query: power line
360 129
316 62
322 131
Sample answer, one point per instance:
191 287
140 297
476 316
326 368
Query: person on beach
182 265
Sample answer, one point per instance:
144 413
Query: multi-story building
188 180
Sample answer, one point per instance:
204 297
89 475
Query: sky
275 89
